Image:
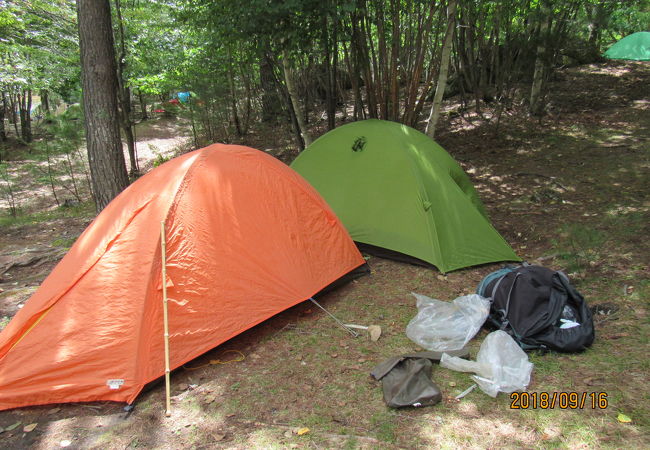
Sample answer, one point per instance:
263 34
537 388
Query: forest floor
569 191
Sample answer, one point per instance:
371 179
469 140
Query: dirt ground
569 191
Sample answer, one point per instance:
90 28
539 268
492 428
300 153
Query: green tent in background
395 188
635 47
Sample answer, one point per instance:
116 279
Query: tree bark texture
536 91
444 70
99 86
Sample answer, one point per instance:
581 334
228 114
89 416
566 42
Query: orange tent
247 237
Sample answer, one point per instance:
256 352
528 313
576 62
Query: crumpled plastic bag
500 366
444 326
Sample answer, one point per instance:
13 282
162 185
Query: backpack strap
504 312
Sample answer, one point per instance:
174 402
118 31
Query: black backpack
539 308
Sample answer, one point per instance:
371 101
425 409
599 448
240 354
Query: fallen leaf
65 443
375 332
29 428
623 418
334 355
183 386
218 437
302 431
230 415
13 427
54 410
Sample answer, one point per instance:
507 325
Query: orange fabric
247 237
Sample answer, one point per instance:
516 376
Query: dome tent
635 47
246 238
395 188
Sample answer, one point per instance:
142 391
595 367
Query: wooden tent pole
163 252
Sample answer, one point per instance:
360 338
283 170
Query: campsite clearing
570 193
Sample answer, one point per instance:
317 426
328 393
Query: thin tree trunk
99 87
13 101
25 107
271 107
124 97
353 71
536 94
334 92
45 101
393 109
444 69
244 73
143 105
194 135
3 109
49 172
293 97
233 95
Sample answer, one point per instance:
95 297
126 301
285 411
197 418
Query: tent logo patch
114 384
359 144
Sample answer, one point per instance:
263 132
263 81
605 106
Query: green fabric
403 192
635 47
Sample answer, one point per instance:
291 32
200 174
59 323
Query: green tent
635 47
395 188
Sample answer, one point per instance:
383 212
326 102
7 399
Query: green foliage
628 17
39 49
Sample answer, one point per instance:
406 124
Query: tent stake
163 252
348 329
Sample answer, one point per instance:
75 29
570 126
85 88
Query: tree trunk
536 92
444 70
271 106
597 15
24 111
143 106
45 101
3 109
13 117
330 85
233 98
293 97
124 97
99 87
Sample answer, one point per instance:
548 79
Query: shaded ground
570 192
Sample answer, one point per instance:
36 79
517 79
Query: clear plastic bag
500 366
444 326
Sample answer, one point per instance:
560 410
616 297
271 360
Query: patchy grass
78 211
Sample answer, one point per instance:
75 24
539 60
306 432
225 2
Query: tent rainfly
395 188
635 47
246 238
